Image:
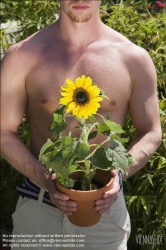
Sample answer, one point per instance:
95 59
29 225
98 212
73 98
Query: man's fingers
109 197
107 201
55 194
112 192
69 203
58 195
114 172
67 209
115 188
103 205
53 176
60 200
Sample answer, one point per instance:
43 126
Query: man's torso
52 62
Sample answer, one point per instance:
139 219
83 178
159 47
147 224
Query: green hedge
145 191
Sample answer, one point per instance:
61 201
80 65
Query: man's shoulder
118 41
135 54
123 44
22 54
30 45
136 59
132 50
127 46
129 50
132 55
20 49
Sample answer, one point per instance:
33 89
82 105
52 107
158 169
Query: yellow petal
93 91
96 99
78 83
76 111
67 94
83 80
65 100
70 83
70 107
88 83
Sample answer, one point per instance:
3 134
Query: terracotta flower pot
86 215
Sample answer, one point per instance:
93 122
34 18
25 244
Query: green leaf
118 156
115 144
144 204
39 23
60 110
44 148
68 182
107 125
92 135
54 160
58 123
121 140
131 160
81 151
108 116
68 146
92 118
99 159
73 168
62 162
132 199
163 104
150 179
65 180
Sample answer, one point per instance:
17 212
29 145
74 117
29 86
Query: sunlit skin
34 70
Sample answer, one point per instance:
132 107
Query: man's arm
14 101
144 110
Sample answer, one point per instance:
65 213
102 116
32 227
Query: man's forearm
142 148
19 156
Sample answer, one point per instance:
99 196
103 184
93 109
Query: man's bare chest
106 69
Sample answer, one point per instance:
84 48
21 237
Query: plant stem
87 174
85 137
88 182
99 145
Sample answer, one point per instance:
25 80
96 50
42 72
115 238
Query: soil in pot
78 185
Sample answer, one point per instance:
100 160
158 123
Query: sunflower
81 97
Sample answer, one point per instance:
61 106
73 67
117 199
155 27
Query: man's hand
110 196
59 199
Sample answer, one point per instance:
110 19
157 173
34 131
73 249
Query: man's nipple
44 101
112 103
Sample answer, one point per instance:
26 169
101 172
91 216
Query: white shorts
48 223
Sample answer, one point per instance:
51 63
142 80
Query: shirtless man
33 72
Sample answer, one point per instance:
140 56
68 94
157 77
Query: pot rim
102 189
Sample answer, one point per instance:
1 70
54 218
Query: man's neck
79 34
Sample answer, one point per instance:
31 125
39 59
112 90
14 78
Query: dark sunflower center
81 96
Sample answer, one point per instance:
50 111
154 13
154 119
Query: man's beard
78 19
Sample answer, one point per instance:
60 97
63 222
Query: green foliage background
145 192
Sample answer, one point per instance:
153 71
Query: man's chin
79 19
